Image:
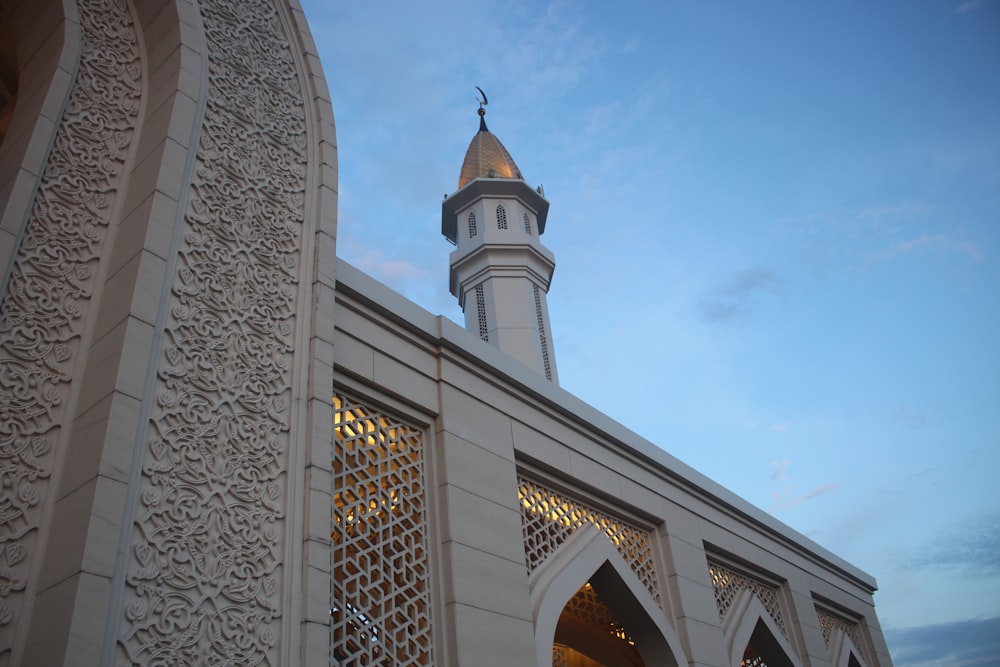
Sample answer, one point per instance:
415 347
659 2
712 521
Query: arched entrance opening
590 635
591 610
764 650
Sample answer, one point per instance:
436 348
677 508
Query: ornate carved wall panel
729 583
548 517
204 583
381 597
48 297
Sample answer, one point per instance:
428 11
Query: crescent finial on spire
482 112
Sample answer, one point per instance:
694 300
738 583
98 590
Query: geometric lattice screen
829 622
381 596
729 583
548 517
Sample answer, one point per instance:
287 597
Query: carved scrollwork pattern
51 283
728 583
549 517
204 582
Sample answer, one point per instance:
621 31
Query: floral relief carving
204 582
52 279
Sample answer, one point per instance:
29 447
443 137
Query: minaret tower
500 271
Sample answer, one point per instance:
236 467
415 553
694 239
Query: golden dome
487 158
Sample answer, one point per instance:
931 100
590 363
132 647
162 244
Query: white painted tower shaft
500 271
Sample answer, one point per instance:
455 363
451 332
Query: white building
177 486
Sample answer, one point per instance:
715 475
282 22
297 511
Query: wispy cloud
971 643
972 547
781 427
784 500
883 212
881 233
392 271
938 243
815 493
736 299
908 418
968 6
778 469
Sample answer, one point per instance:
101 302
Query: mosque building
222 445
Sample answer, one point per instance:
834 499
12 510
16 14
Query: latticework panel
548 517
588 608
829 623
381 599
729 583
559 655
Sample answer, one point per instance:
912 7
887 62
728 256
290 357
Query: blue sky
777 235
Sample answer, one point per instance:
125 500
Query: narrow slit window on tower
484 331
542 339
527 224
472 224
501 217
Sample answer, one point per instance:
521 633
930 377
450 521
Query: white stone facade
220 445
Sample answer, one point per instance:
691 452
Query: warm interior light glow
380 586
566 513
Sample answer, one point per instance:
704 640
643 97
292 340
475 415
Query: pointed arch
843 651
588 555
749 620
